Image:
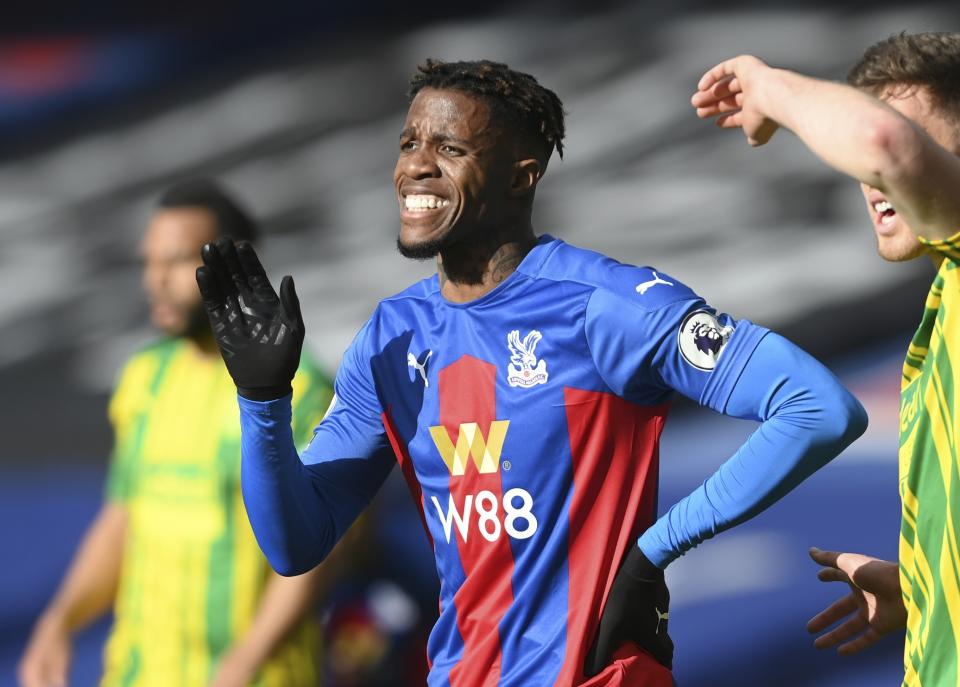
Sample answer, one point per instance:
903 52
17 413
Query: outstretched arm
853 132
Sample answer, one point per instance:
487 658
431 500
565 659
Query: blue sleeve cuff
278 408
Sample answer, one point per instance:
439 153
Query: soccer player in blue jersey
522 391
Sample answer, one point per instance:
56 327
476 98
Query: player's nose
420 164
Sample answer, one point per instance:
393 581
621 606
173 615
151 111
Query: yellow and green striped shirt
930 482
192 573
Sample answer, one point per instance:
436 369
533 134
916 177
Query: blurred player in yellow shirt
171 551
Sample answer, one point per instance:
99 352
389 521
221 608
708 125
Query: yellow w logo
471 442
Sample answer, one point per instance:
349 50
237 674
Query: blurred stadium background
298 110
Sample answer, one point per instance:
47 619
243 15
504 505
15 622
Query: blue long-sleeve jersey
527 425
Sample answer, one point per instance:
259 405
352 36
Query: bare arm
86 593
851 131
285 602
90 586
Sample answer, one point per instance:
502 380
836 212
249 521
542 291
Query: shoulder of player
138 375
949 270
393 312
418 291
148 356
646 288
390 319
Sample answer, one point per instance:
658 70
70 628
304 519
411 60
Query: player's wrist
244 658
890 573
54 620
638 566
776 92
265 393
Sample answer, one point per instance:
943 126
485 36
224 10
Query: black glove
259 334
637 610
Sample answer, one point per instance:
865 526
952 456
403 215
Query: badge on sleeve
702 338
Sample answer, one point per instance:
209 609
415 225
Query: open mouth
885 211
424 203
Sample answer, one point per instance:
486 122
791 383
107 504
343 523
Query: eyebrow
410 132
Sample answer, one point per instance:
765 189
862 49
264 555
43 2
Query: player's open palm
873 607
731 93
259 332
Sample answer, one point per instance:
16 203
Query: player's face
896 241
171 255
452 174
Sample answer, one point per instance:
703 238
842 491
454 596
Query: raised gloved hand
259 334
637 610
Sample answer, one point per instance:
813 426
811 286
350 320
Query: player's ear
526 174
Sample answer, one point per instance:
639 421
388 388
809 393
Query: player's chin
899 248
176 321
170 325
415 246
